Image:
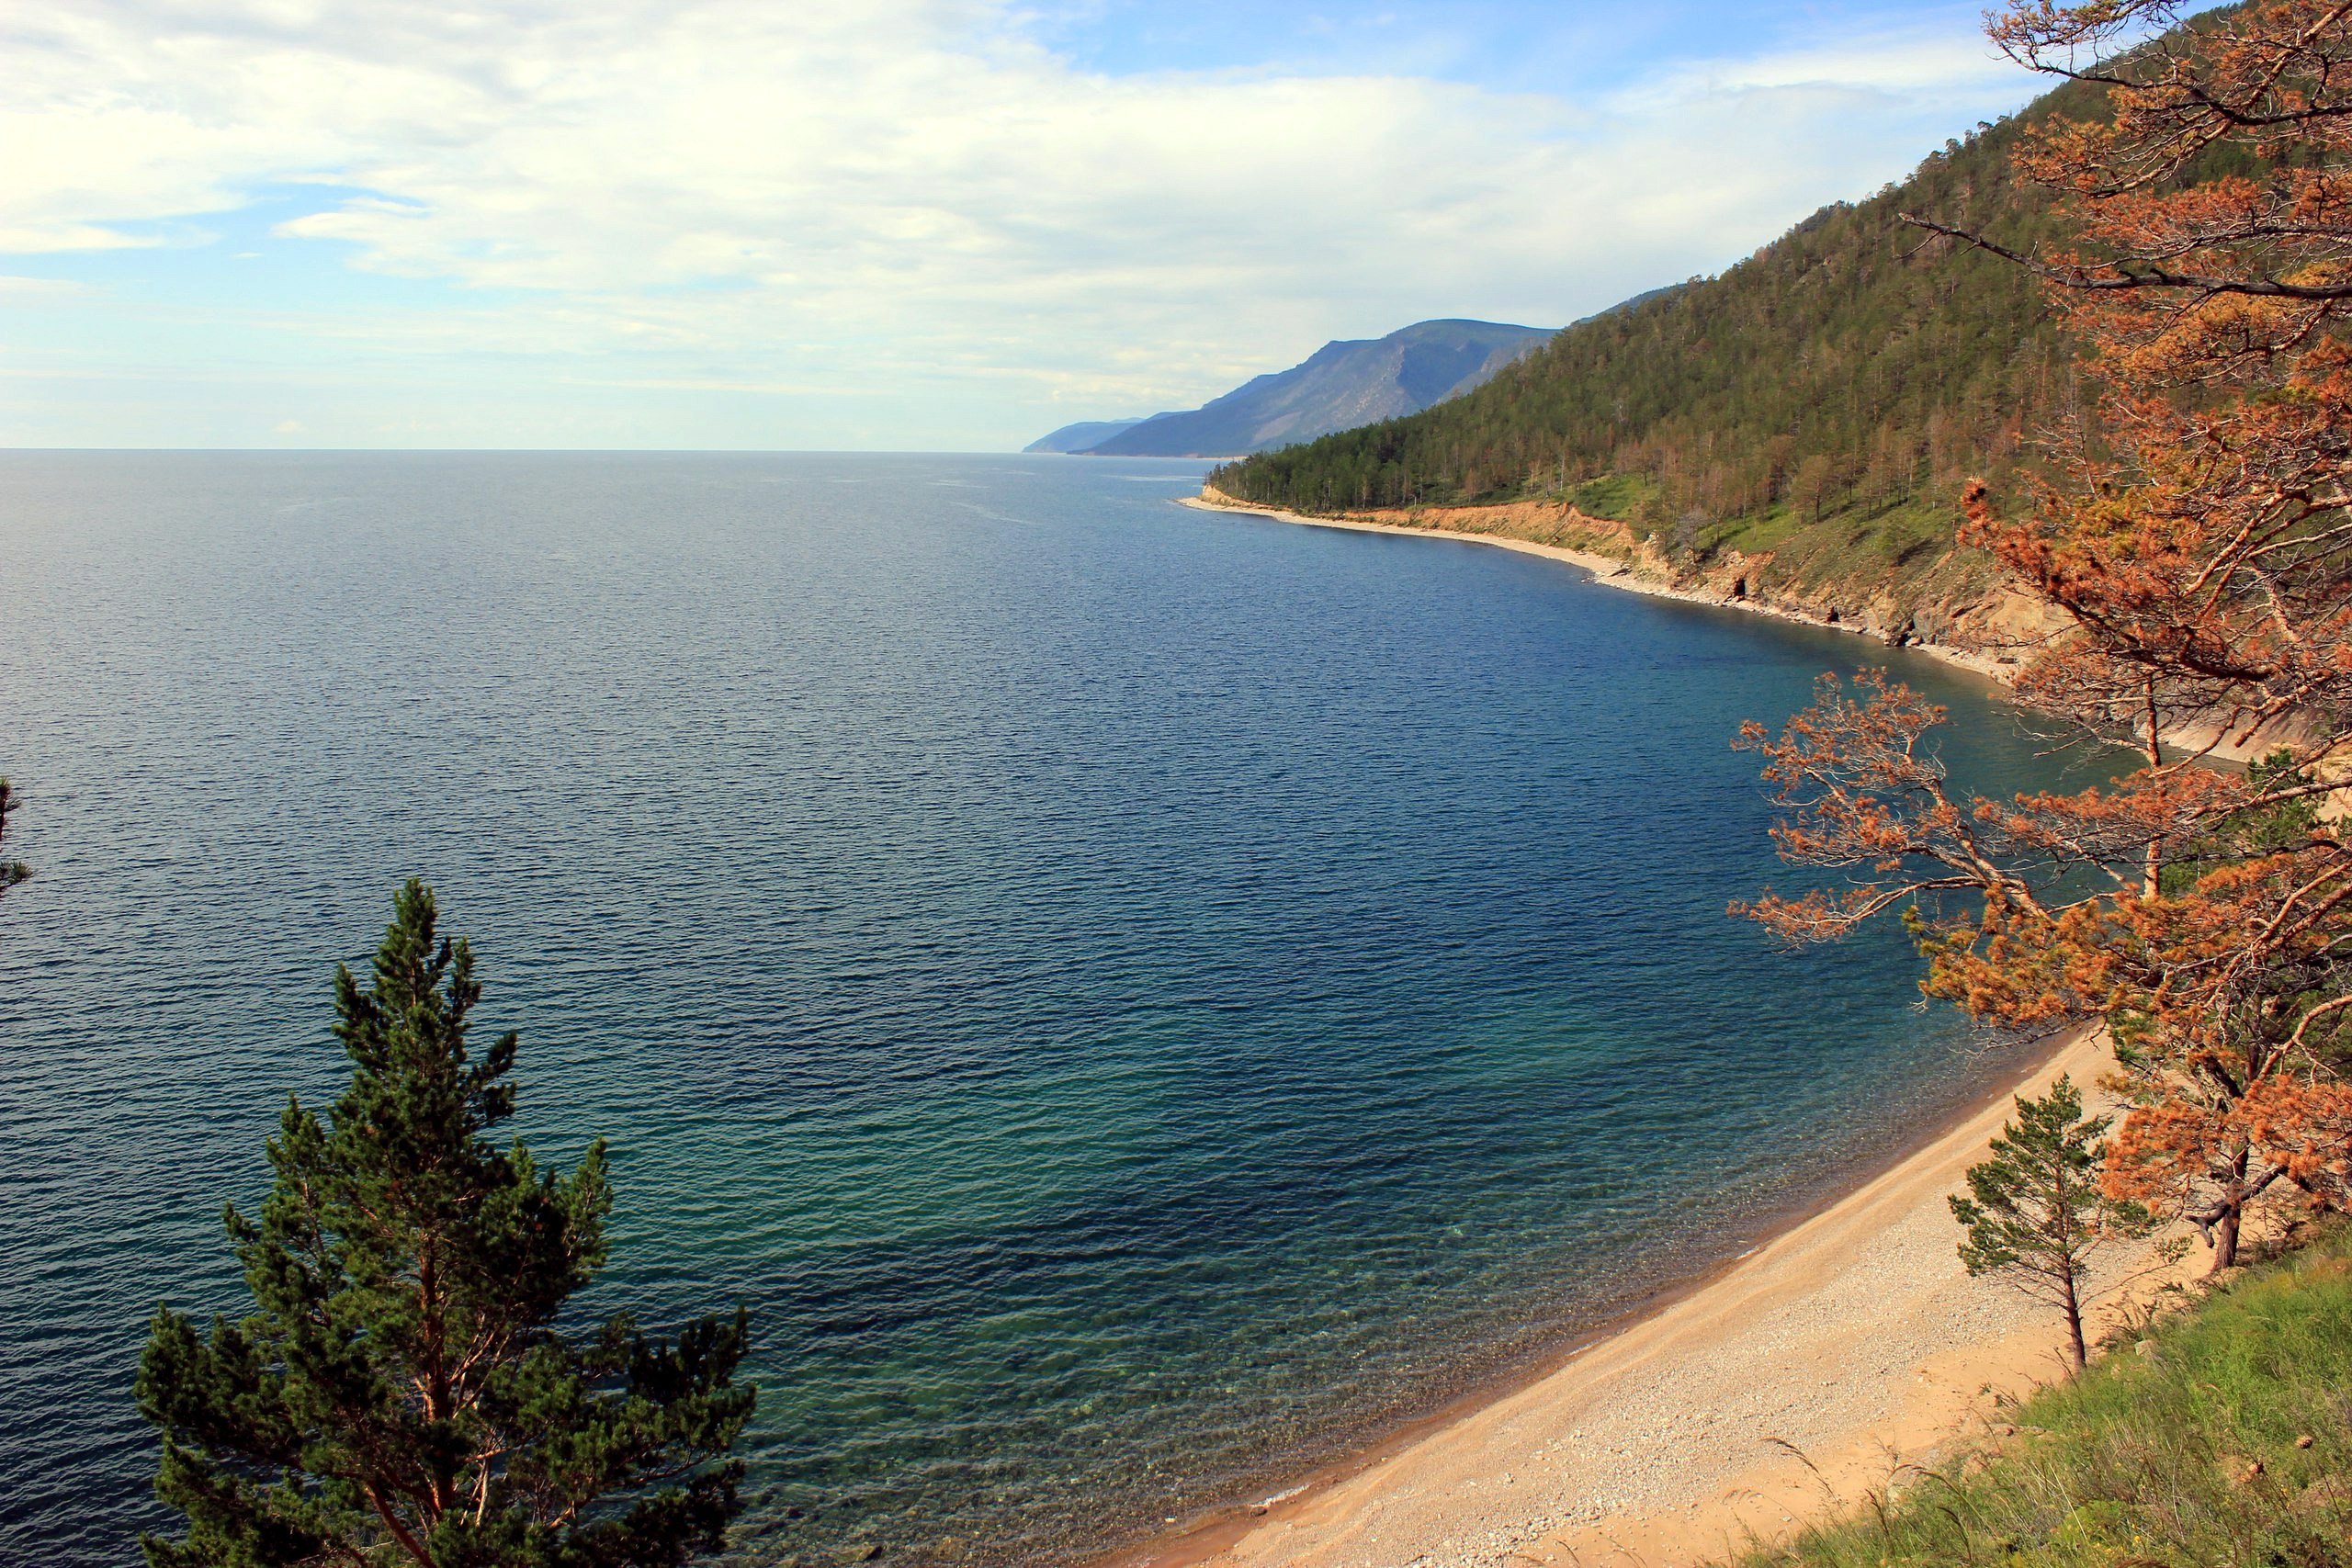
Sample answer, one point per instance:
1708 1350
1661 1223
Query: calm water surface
1131 999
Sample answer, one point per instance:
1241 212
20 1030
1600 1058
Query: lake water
1133 1000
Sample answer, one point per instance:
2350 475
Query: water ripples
1133 1000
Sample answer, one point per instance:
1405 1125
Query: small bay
1133 1001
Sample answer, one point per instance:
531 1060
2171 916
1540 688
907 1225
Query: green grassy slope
1822 401
2225 1437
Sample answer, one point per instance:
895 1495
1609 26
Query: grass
2225 1436
1617 497
1758 532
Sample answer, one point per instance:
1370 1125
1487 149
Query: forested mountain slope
1805 420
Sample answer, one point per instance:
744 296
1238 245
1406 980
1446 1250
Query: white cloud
12 285
856 193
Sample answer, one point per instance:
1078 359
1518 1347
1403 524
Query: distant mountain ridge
1343 385
1080 436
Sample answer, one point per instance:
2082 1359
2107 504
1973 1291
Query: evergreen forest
1829 394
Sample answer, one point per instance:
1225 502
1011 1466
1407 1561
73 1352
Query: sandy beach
1611 572
1797 1379
1804 1375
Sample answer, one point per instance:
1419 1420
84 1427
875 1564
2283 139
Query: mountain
1339 386
1080 436
1803 421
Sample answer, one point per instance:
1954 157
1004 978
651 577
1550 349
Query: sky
934 225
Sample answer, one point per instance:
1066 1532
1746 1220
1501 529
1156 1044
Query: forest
1831 392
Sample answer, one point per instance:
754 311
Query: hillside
1800 424
2218 1435
1340 385
1080 436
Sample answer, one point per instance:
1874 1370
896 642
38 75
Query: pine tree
12 872
2035 1212
2188 529
403 1394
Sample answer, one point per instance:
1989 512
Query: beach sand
1794 1381
2208 741
1611 572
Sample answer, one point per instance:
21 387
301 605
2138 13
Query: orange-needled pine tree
2193 526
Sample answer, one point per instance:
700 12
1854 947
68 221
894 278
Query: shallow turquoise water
1133 1000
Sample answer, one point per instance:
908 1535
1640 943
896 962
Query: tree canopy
406 1391
1849 377
2194 532
2034 1212
12 872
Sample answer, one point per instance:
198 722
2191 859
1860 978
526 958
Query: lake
1135 1001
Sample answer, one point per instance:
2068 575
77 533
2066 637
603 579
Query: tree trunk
2074 1345
2225 1236
2229 1214
2152 742
443 1486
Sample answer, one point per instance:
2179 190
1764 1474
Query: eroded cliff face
1954 598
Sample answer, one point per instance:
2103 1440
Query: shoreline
1676 1469
1477 1466
1610 572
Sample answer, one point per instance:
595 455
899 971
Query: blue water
1134 1000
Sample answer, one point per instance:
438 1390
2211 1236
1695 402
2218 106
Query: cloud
12 285
867 194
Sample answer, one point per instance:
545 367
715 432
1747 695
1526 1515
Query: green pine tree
12 872
2254 833
403 1394
2035 1214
